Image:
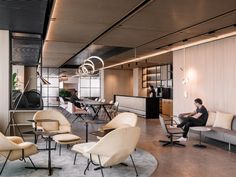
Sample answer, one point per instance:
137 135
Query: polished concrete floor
214 161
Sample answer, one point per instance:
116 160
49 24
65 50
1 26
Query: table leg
99 108
49 157
49 167
86 126
104 107
200 145
93 109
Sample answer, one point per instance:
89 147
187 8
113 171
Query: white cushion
66 138
223 120
211 118
83 147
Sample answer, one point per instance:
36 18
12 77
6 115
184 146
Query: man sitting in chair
197 118
74 99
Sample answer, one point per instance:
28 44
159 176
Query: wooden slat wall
117 82
211 69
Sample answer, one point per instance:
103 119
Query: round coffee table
200 130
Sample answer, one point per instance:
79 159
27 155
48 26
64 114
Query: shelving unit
161 78
158 76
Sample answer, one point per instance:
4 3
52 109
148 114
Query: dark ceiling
26 16
27 21
145 25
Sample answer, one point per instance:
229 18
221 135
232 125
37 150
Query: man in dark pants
197 118
74 99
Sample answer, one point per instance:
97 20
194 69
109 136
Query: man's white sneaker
182 139
173 126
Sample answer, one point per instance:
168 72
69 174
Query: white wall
138 89
135 81
211 69
4 78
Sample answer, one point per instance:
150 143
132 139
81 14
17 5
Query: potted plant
64 93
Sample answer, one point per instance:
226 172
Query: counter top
137 96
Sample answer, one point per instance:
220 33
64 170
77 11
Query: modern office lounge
185 49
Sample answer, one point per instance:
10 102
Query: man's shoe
182 139
173 126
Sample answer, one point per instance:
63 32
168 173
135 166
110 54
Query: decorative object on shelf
88 67
158 76
11 121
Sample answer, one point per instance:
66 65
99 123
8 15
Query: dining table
96 106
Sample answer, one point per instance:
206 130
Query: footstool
66 139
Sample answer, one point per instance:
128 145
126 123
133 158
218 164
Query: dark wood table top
102 133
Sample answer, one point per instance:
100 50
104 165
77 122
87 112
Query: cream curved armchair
14 148
59 123
112 149
125 119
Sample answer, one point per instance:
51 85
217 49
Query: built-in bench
221 134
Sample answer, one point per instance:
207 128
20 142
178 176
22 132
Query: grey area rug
145 163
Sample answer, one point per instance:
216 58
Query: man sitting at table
197 118
74 99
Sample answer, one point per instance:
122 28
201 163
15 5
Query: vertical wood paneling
213 77
117 82
4 78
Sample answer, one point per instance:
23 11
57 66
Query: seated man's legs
190 122
184 121
179 119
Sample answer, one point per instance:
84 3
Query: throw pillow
211 118
223 120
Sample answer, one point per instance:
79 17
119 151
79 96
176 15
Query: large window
50 92
90 87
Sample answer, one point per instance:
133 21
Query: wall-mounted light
185 94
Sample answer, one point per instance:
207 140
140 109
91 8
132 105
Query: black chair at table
170 132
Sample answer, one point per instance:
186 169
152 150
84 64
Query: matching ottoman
66 139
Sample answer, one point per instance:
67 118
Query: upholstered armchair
112 149
58 123
14 148
125 119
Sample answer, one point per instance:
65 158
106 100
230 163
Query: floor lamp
12 121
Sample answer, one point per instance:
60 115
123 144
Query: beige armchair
125 119
112 149
14 148
59 123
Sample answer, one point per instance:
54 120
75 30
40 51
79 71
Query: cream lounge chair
112 149
14 148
